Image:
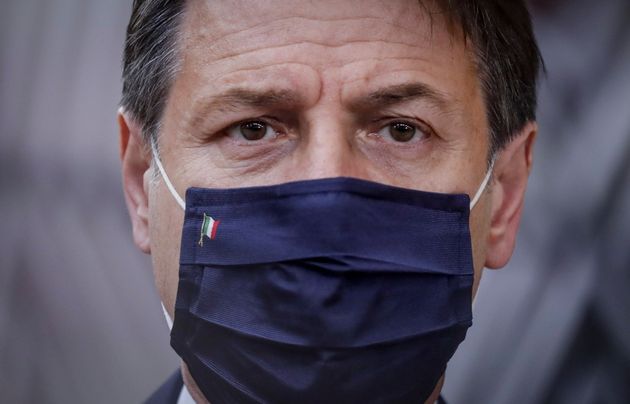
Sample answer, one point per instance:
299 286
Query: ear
511 172
136 163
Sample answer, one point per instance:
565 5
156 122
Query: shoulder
168 392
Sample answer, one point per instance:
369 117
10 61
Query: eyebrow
399 94
236 98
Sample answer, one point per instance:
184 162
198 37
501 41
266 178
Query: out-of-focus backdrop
80 321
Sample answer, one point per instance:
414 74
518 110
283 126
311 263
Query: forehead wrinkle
286 22
302 30
227 38
239 54
254 14
213 54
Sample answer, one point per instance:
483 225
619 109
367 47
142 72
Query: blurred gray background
80 321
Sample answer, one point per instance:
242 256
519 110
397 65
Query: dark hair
507 57
150 60
508 61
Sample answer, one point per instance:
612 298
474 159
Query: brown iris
253 130
401 132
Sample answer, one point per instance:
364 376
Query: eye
252 130
401 132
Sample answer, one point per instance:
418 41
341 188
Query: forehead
320 48
295 19
222 34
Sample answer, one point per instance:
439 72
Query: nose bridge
328 148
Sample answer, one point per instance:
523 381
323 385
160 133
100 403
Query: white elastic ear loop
169 322
483 186
479 285
168 183
180 202
474 201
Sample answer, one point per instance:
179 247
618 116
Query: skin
332 66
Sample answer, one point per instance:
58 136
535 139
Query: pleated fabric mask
334 290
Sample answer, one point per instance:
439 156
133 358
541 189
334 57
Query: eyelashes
252 131
259 130
402 131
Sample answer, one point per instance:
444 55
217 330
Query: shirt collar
185 397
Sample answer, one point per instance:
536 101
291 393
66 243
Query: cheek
166 221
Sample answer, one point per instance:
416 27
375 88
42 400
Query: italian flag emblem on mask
208 228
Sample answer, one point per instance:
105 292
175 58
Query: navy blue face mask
323 291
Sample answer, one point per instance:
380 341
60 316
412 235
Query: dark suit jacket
169 391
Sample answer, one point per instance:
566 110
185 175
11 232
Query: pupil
253 130
401 132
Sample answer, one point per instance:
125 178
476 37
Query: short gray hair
150 60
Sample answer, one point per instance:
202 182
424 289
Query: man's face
275 91
373 90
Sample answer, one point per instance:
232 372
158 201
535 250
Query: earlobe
511 173
135 166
